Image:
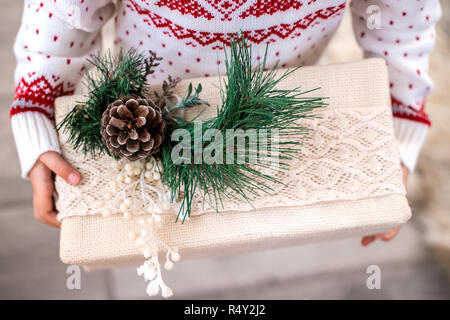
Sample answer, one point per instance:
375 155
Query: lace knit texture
56 37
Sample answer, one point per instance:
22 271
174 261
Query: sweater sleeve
402 32
51 48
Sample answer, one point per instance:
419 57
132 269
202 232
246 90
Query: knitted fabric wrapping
346 180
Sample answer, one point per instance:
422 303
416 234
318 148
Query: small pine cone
132 128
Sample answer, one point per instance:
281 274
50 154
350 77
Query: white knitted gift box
346 181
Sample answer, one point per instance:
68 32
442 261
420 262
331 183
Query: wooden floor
30 268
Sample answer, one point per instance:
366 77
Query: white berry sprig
142 179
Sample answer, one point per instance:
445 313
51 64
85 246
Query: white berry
166 292
168 265
175 256
147 253
140 242
148 174
133 235
149 274
152 288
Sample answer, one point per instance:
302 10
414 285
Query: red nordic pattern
194 37
226 7
403 111
39 93
262 7
190 7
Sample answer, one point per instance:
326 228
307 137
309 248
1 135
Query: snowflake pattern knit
57 36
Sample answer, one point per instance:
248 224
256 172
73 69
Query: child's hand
42 180
365 241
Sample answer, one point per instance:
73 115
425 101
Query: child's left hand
365 241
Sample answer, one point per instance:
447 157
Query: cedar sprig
250 100
171 111
191 98
152 62
167 94
122 75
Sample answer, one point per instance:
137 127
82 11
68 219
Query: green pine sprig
250 100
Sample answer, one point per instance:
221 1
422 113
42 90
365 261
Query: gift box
345 181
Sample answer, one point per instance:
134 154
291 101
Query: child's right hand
42 179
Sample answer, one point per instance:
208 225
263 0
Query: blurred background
416 265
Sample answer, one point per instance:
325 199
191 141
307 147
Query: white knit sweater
56 37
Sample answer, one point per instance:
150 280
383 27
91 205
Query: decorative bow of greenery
249 100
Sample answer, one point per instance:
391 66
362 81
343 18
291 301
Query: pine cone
132 128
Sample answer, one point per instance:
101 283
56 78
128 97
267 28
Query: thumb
60 167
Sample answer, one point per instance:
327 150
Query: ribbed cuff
34 134
410 136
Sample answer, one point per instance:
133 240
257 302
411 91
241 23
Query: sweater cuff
34 134
410 136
